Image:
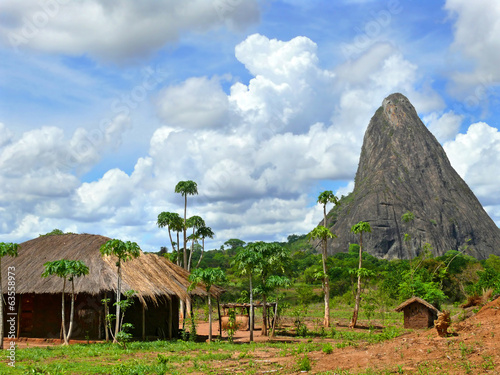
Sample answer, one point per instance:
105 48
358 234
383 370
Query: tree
172 221
124 251
264 260
359 228
204 232
245 261
6 249
234 243
186 188
194 222
209 277
322 233
324 198
66 269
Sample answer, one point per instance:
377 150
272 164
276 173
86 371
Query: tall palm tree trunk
65 337
326 280
209 318
185 236
358 292
72 312
118 297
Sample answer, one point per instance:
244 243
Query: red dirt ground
472 348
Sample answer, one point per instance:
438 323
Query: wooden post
143 322
19 313
220 318
170 318
274 318
106 313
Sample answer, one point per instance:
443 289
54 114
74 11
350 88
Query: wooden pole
143 322
19 313
274 318
220 318
170 318
106 313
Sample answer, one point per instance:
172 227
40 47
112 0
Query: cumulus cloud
476 156
115 31
196 103
477 38
255 151
444 126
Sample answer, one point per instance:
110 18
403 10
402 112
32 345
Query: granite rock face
403 168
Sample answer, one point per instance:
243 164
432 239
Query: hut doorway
26 307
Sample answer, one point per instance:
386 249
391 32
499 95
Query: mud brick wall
418 316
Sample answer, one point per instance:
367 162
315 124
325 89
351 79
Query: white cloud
476 157
196 103
477 38
444 126
115 31
254 152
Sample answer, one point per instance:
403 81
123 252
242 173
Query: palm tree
66 269
245 261
323 234
170 220
207 276
6 249
203 232
124 251
194 222
359 228
186 188
324 198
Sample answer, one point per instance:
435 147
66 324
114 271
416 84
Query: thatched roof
151 276
419 300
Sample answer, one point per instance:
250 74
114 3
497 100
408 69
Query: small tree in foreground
209 277
323 234
66 269
6 249
359 228
123 335
124 251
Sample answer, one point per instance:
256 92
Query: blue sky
105 106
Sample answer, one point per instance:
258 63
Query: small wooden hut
159 285
418 313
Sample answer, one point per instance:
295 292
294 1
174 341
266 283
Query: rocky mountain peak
403 168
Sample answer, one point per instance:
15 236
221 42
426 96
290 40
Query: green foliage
304 363
8 249
54 232
320 233
124 251
186 188
66 269
415 286
231 325
408 217
488 279
207 276
361 227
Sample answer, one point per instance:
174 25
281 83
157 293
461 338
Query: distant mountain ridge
403 168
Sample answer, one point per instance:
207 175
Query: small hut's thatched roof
151 276
419 300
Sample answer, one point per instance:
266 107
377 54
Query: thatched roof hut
156 281
418 313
